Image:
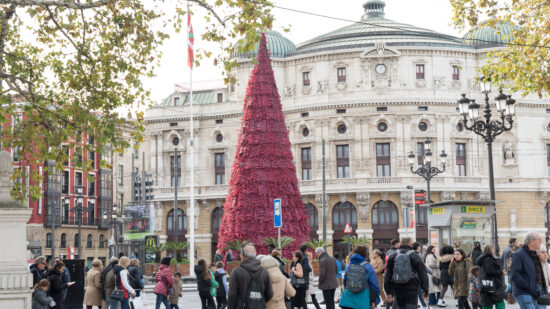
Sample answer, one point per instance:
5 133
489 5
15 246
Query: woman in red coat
165 283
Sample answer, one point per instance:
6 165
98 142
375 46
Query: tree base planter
232 266
183 269
315 266
150 269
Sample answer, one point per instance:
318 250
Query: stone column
15 277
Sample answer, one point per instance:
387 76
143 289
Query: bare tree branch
204 5
66 4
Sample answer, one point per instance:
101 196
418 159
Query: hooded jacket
40 300
418 268
281 286
221 278
488 265
460 271
163 280
444 263
240 279
203 285
360 300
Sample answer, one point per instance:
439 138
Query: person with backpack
250 284
221 295
395 243
361 285
405 274
460 269
492 286
136 278
204 285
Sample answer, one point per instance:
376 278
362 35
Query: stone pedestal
15 278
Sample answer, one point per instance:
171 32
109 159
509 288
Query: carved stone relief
406 197
447 196
456 84
321 87
483 196
363 203
420 83
513 218
384 196
289 91
343 197
463 196
341 86
439 82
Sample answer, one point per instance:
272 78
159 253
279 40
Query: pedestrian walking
92 296
476 252
328 270
445 256
378 265
213 282
527 272
493 287
311 289
282 289
136 278
474 295
174 297
508 251
39 269
122 283
298 281
250 284
361 285
164 283
66 277
432 263
306 266
460 270
509 297
418 249
55 277
40 298
543 257
276 254
341 269
221 278
395 243
218 257
204 284
108 284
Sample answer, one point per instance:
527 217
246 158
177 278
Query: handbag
436 281
544 300
296 282
117 294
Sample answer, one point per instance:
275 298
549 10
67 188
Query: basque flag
190 41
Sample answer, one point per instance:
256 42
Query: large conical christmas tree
263 169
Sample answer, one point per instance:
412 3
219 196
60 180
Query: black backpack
402 269
254 296
356 281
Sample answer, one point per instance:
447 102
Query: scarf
538 266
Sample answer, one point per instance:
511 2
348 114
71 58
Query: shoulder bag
296 282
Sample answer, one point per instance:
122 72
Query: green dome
484 36
278 46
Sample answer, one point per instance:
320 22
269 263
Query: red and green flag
190 41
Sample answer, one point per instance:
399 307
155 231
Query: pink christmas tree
263 169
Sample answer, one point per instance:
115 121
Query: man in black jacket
241 278
406 294
39 270
106 270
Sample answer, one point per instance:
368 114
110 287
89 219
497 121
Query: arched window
101 241
217 215
181 221
63 241
76 240
313 220
89 241
49 240
342 213
384 215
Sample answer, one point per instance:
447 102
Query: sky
431 14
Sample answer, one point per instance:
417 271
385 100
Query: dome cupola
486 36
277 44
374 9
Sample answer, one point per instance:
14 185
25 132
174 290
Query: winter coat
135 277
489 265
460 271
475 254
66 279
163 280
523 273
474 295
328 270
218 257
109 283
203 285
240 279
444 263
221 278
37 274
40 300
122 282
378 266
175 297
507 254
432 263
56 288
418 268
546 271
106 270
92 296
214 284
359 300
281 286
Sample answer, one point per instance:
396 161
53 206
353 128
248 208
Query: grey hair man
239 294
526 272
39 269
328 270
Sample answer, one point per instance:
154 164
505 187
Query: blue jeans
526 301
113 304
421 298
174 306
162 299
434 298
125 304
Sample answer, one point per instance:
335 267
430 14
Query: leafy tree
235 245
285 241
67 65
314 244
523 64
357 241
157 249
179 247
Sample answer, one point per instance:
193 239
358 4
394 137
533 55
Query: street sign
277 213
347 229
419 197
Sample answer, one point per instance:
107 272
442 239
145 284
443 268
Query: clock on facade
380 69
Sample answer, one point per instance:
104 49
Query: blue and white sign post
278 219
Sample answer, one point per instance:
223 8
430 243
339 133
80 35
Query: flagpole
191 148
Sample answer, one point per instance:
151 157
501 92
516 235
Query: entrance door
385 223
341 213
181 221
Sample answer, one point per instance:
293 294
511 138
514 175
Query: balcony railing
86 221
79 189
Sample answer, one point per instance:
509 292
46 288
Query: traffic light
149 182
419 197
137 188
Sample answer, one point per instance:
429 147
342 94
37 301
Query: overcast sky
431 14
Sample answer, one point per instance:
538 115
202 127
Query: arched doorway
181 222
385 223
313 220
215 224
342 213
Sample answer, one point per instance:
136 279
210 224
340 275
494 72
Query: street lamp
78 211
427 171
489 129
113 224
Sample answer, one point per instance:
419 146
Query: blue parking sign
277 213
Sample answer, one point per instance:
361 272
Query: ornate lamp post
427 171
78 211
489 129
114 218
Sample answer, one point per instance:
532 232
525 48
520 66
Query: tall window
456 72
342 161
91 157
313 220
66 150
101 241
305 79
461 158
65 211
306 163
65 182
89 241
341 75
76 240
91 212
220 168
121 174
48 240
220 97
181 221
91 186
78 183
419 71
420 151
63 243
177 176
383 161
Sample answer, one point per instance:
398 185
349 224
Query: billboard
138 221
